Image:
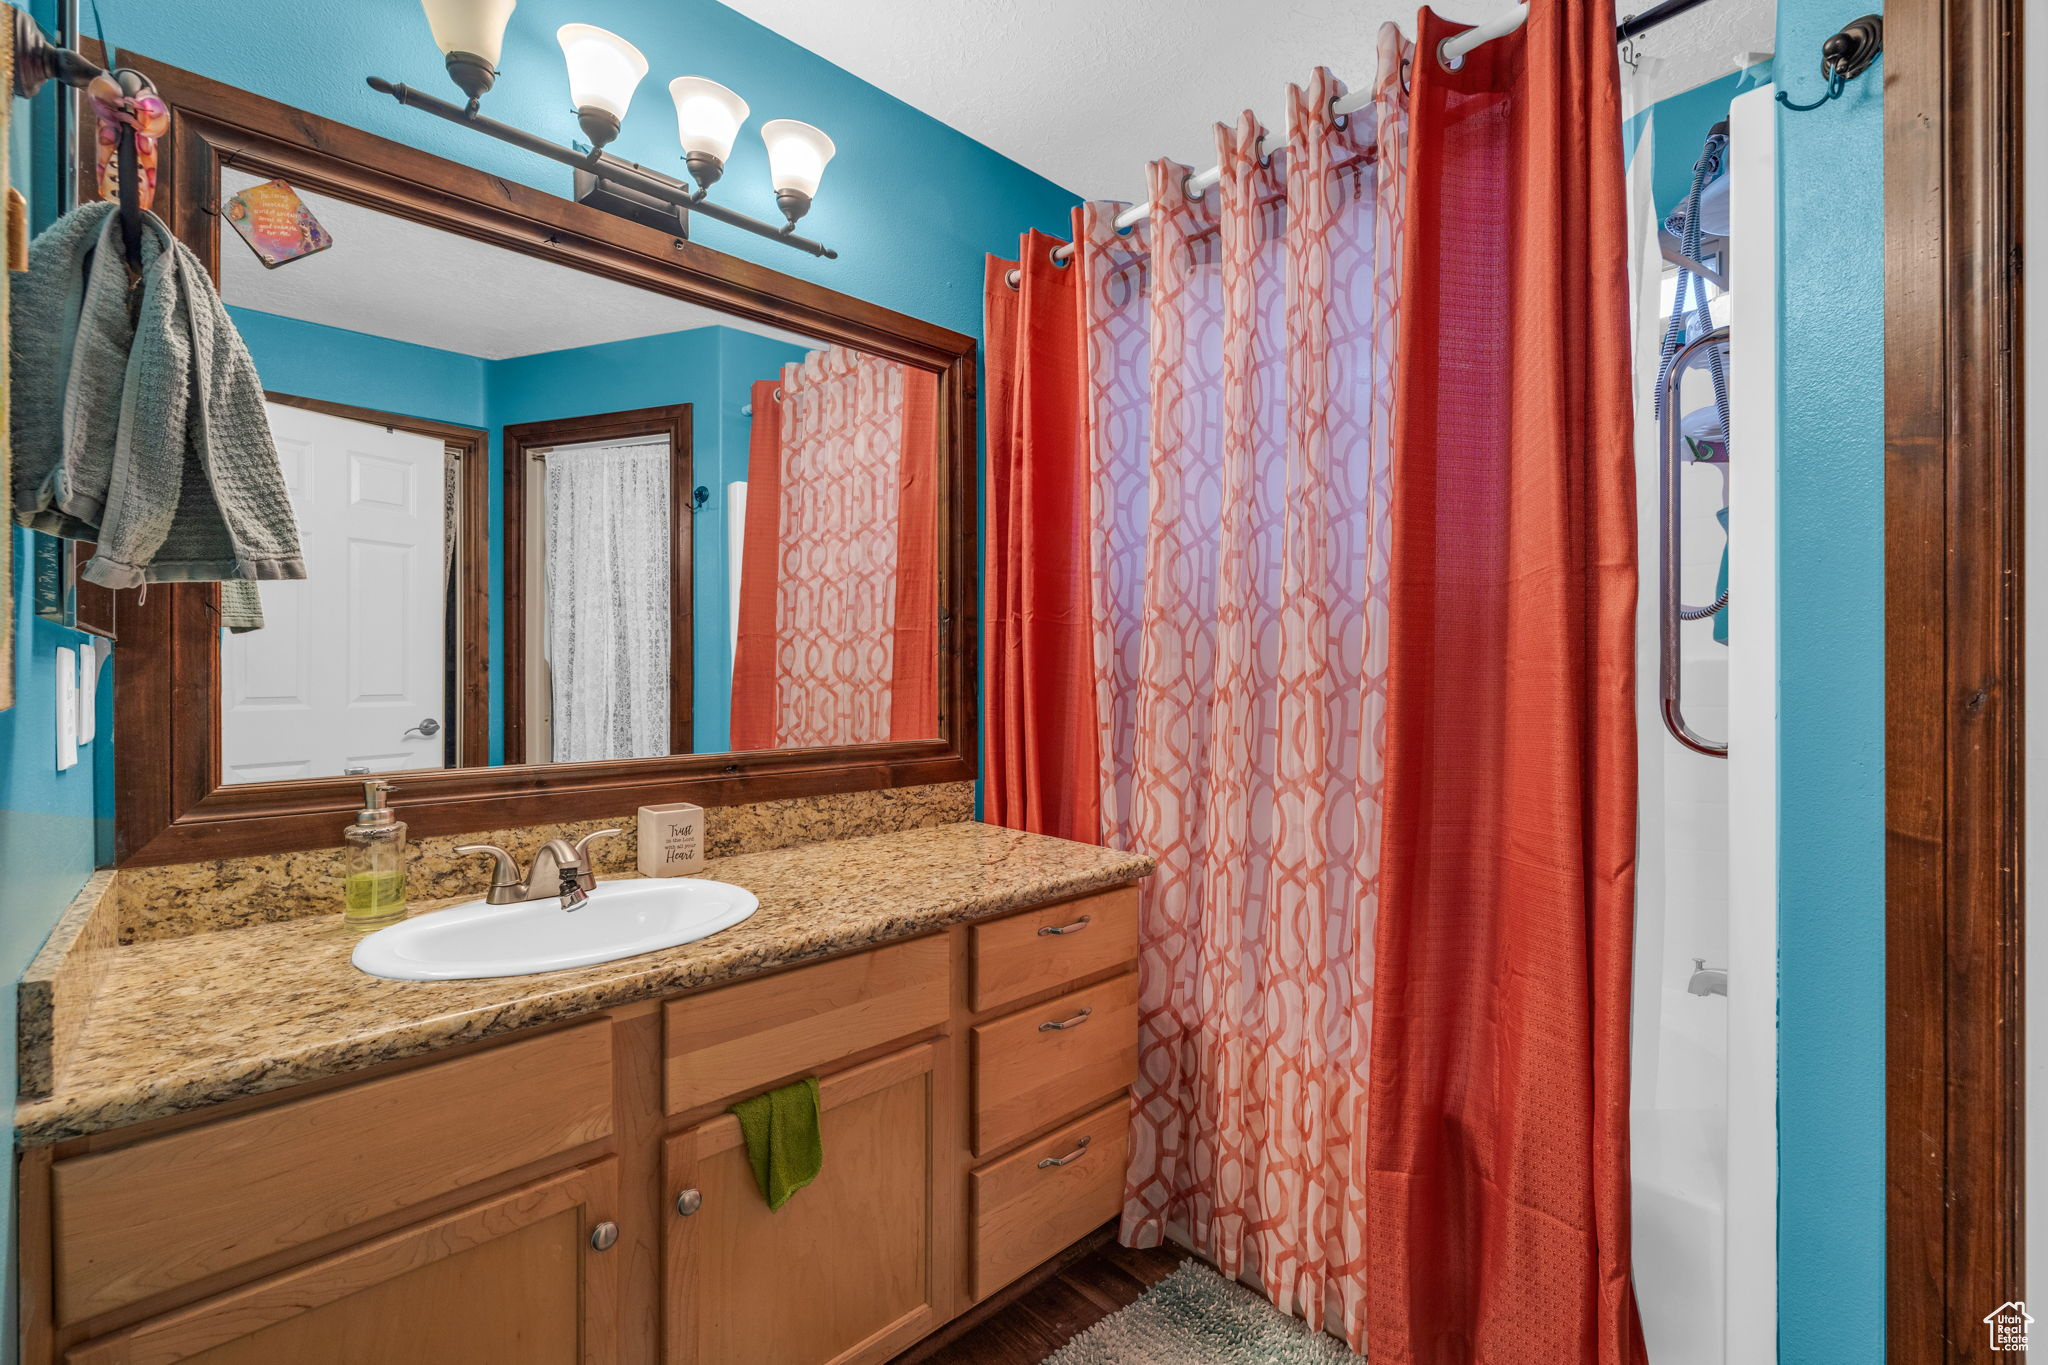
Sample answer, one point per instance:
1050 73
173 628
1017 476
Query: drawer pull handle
1051 930
1070 1021
689 1201
1080 1150
605 1236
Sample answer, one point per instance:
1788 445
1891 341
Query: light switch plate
67 708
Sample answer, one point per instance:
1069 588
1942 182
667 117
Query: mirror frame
170 804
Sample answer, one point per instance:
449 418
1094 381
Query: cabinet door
843 1272
518 1277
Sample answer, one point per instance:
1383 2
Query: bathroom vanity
542 1169
236 1147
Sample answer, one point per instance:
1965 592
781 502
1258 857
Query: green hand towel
783 1145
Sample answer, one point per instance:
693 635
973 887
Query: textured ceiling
1085 92
394 278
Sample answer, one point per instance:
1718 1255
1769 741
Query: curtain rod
1452 52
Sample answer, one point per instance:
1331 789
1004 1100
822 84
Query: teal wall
309 360
1831 1019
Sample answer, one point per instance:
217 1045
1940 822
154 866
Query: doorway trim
469 447
1954 755
521 440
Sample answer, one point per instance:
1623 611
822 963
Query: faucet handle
582 846
504 871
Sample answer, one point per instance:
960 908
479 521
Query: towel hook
1846 55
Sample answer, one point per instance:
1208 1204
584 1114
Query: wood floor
1024 1325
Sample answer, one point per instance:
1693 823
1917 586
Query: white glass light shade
604 68
797 154
473 26
708 116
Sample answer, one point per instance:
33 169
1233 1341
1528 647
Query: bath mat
1196 1317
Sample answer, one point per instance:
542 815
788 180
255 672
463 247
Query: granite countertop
182 1023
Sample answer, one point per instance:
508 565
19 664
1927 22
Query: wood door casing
1955 675
746 1286
521 441
514 1277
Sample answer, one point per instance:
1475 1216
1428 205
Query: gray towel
144 432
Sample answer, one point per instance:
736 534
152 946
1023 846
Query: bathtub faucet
1707 980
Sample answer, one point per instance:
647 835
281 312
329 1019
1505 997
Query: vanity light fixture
604 71
708 119
797 154
471 35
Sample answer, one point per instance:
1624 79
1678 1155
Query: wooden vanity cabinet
579 1194
842 1273
516 1277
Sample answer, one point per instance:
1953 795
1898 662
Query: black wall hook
1843 57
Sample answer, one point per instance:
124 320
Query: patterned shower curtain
838 628
1241 351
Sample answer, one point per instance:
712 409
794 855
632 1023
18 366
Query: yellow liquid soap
374 897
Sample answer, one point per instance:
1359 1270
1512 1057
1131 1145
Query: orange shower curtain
1038 668
755 689
1498 1211
838 621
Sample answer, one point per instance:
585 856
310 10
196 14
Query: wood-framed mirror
741 567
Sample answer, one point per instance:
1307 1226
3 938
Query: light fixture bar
601 164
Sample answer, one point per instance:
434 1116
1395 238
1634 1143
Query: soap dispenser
373 863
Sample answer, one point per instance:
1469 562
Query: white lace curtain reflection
607 526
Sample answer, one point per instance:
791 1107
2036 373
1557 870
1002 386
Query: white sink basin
621 919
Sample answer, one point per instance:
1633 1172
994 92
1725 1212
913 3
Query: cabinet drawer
1042 950
737 1040
1052 1059
1035 1203
168 1211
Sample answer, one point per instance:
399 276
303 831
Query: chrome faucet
1707 980
560 868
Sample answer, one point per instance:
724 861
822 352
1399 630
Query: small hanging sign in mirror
276 223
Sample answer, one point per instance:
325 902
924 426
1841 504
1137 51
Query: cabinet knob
605 1235
689 1201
